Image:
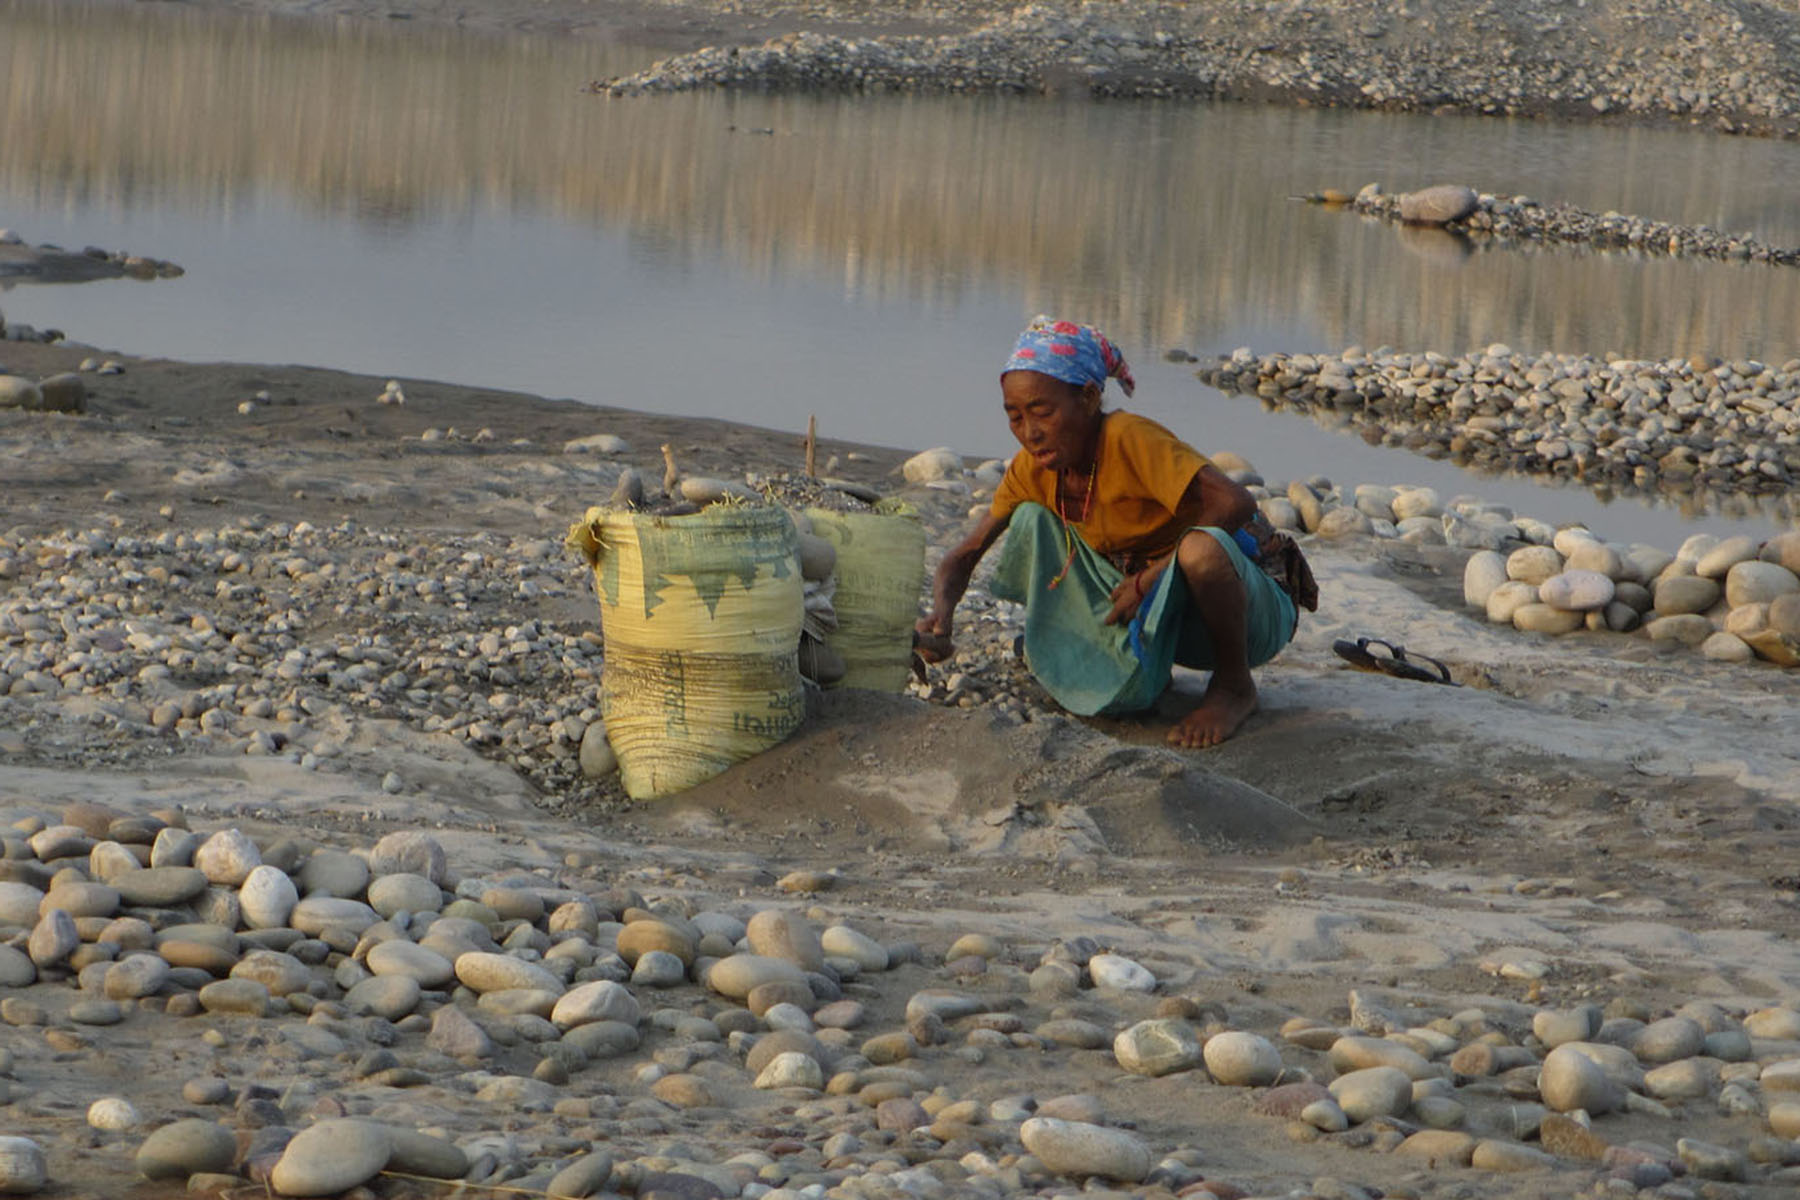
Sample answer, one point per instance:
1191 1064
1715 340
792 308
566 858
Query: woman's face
1057 423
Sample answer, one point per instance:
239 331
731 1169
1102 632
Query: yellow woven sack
880 569
701 616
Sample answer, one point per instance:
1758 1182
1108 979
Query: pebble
1238 1059
111 1114
1569 1080
1372 1092
23 1169
1119 972
1082 1150
1157 1047
331 1157
185 1147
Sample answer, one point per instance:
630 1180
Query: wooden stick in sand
812 445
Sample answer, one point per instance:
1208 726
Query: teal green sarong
1091 667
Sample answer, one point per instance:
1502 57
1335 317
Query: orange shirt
1140 478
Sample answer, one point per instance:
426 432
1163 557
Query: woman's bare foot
1226 705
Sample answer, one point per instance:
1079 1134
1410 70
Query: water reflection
1166 223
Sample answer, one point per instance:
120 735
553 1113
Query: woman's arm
1223 503
951 581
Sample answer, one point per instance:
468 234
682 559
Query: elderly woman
1124 544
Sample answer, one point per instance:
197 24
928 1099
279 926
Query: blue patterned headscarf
1077 354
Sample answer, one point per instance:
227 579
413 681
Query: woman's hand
931 638
1130 593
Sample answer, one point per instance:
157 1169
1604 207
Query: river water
419 202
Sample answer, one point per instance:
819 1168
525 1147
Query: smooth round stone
331 1157
1783 1076
19 904
1360 1053
1372 1092
639 937
1684 1079
658 969
1438 205
514 904
61 841
333 873
96 1012
1493 1154
796 993
1073 1031
583 1177
1727 647
1442 1147
1620 1065
1438 1112
135 976
404 892
514 1002
975 945
791 1069
774 933
1577 591
1542 618
1688 629
1485 571
1570 1080
1554 1027
267 898
186 1147
1345 521
409 852
174 847
244 997
23 1169
387 996
1157 1047
227 857
396 957
282 974
789 1016
1717 562
737 975
1508 599
1586 555
1081 1150
1784 1118
1784 615
16 968
1416 502
601 1000
1705 1160
81 899
1533 564
1117 971
1777 1024
603 1039
845 942
1238 1059
484 972
1759 583
113 1114
160 887
416 1153
931 466
1325 1116
1669 1039
52 939
1678 594
315 914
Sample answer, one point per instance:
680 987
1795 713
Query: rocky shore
1485 218
1675 427
1670 60
377 1022
300 804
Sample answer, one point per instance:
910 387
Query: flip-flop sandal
1395 662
